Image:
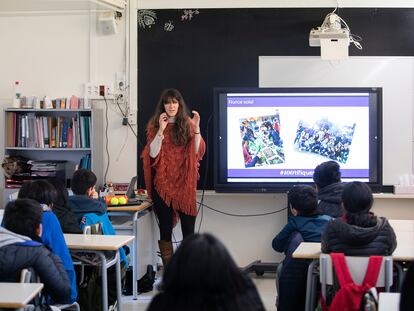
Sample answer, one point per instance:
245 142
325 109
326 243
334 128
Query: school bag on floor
350 295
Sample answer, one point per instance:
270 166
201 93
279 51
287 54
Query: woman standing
171 160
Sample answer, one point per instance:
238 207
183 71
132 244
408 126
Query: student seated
52 236
89 209
85 199
307 225
202 276
359 232
306 218
327 178
21 248
66 217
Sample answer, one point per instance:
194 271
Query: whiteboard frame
394 74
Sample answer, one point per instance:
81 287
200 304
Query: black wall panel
220 48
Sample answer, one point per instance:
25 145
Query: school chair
26 277
357 267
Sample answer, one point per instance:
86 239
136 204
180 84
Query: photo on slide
325 138
260 140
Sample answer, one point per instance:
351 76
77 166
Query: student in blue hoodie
52 236
90 209
307 225
306 219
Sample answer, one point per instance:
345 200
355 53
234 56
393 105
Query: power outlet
98 90
132 117
120 82
91 90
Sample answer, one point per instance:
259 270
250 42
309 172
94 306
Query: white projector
328 34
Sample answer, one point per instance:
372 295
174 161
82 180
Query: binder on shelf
65 129
10 126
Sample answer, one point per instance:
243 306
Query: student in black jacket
327 178
21 248
67 219
359 232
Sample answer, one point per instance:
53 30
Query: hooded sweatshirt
82 204
19 252
330 199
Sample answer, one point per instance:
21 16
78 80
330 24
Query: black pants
165 218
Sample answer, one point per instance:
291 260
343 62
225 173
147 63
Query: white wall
54 55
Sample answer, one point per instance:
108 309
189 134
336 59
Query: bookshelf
55 134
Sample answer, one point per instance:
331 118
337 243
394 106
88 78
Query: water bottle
17 95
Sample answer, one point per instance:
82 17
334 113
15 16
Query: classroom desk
18 295
136 211
404 231
97 244
389 302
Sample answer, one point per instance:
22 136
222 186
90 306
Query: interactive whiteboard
393 74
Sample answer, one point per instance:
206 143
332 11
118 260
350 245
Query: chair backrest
92 219
25 276
93 229
357 268
13 196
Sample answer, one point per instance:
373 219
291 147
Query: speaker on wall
107 23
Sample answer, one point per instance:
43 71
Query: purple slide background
290 173
299 101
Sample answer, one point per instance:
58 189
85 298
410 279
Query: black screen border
220 137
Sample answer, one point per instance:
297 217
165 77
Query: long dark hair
181 131
357 200
203 276
62 197
39 190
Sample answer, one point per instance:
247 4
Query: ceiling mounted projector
334 37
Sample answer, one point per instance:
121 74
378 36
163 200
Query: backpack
349 297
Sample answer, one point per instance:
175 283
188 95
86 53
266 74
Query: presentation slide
283 137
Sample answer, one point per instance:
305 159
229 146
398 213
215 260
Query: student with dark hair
202 276
52 236
306 218
21 248
359 232
85 199
327 178
90 209
307 225
66 217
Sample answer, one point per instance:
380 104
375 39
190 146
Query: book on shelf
28 130
74 102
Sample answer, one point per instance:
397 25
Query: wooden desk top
17 295
97 242
130 208
403 252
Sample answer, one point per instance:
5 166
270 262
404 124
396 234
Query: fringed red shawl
174 172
